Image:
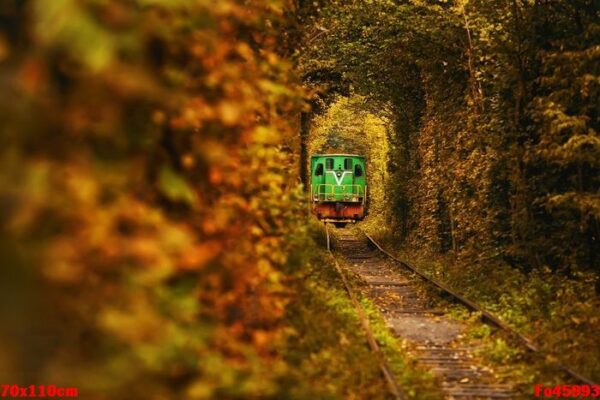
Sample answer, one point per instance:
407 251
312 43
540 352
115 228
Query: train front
338 187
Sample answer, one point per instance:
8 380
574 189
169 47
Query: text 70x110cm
41 391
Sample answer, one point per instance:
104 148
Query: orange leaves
193 115
62 264
188 161
159 213
4 48
32 76
200 254
245 51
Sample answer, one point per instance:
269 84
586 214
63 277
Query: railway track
410 310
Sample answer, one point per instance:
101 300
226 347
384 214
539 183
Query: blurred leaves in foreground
144 196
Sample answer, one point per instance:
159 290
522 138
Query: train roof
338 155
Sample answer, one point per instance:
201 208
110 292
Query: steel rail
486 315
384 366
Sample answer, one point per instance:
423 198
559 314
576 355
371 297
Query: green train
338 189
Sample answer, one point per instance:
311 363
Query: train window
358 170
329 163
319 169
348 163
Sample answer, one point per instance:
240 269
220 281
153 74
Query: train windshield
348 163
358 171
319 169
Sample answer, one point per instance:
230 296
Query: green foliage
494 110
493 155
559 315
174 187
483 331
500 351
565 111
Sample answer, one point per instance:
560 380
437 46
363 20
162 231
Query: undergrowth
561 315
327 347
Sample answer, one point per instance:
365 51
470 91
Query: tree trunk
476 89
305 121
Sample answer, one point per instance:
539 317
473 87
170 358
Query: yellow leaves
214 152
67 23
582 148
229 112
139 323
80 183
28 187
265 135
245 51
271 58
200 390
587 204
